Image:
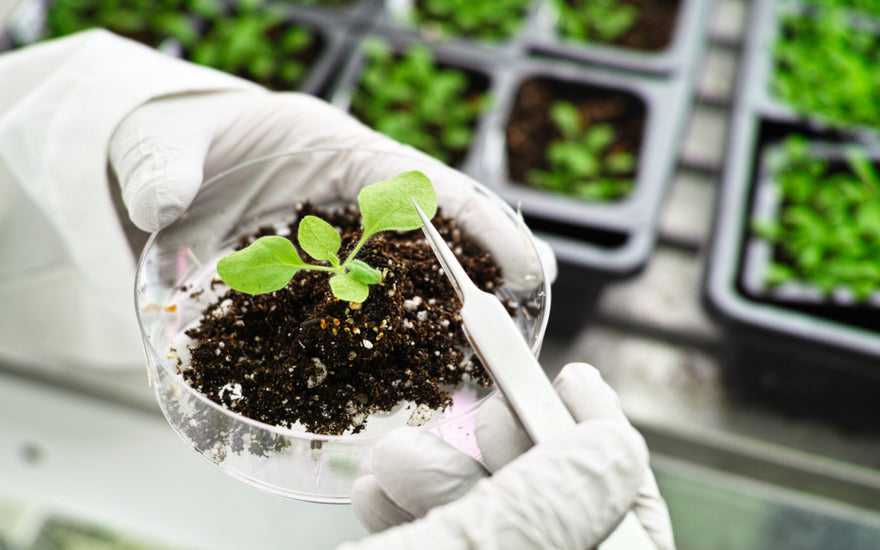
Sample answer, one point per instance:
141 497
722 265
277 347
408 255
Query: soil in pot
646 25
531 130
299 356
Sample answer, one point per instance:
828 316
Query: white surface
127 470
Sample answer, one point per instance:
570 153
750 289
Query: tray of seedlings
794 269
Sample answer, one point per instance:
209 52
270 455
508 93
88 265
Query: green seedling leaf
364 273
266 265
347 287
319 239
388 205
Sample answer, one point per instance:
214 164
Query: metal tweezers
515 370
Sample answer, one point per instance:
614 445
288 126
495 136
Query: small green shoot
269 263
585 162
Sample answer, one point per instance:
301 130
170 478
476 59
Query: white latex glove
165 149
566 494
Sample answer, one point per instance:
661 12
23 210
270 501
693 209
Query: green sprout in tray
595 20
827 67
586 161
827 232
415 101
490 21
257 41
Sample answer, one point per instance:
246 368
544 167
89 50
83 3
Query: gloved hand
568 493
163 151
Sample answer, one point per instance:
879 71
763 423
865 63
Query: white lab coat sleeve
66 270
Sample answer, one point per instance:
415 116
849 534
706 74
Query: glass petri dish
176 280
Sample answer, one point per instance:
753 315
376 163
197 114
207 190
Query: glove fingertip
373 508
157 202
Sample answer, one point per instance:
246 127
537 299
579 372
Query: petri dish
176 280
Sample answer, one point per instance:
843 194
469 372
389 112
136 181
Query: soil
530 130
299 355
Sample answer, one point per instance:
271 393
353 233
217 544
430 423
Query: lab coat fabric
66 269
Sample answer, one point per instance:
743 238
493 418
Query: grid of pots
518 63
794 269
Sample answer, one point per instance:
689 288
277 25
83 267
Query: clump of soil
299 355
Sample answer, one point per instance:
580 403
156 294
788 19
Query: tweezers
519 376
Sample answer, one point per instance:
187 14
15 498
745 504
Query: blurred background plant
827 232
256 40
411 98
595 20
586 161
491 21
816 54
151 22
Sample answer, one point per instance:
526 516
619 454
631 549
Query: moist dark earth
299 355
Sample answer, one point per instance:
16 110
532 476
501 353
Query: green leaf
388 205
365 273
346 287
319 239
265 266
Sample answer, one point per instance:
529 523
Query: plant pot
773 25
663 40
595 241
761 256
483 33
293 50
176 279
803 356
476 90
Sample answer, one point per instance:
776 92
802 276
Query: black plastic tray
808 358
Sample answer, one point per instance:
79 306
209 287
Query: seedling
839 86
490 21
414 101
270 262
586 162
595 20
827 232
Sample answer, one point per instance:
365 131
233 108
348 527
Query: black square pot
787 349
667 54
476 67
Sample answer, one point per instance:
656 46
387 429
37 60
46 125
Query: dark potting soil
301 355
530 130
